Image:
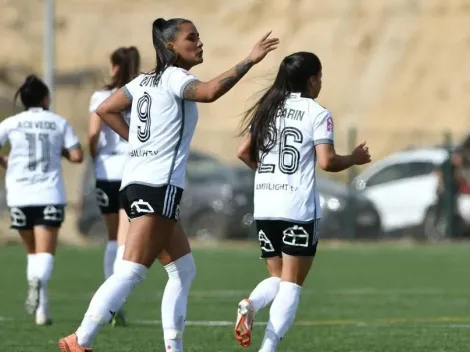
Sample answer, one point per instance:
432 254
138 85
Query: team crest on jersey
17 217
102 198
141 207
53 213
329 124
296 236
265 243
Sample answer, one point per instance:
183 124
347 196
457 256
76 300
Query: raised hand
263 47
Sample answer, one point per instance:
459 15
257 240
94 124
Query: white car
403 187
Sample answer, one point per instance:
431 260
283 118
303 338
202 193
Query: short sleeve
130 88
323 129
4 130
70 138
178 80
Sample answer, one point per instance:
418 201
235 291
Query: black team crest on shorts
265 243
296 236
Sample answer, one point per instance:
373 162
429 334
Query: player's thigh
107 197
176 246
123 227
46 239
22 222
111 221
270 241
299 246
153 212
47 222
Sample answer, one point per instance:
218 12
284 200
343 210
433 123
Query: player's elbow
102 110
326 163
243 154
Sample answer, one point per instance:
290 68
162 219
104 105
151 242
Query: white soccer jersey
112 151
161 129
34 172
285 179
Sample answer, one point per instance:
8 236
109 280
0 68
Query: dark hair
128 60
32 92
163 32
260 119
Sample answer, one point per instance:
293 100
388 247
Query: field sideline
359 298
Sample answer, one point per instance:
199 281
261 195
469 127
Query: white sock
109 257
181 273
265 292
44 263
119 256
31 267
281 315
109 299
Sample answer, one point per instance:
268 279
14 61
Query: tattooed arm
206 92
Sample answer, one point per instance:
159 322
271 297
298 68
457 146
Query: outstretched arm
206 92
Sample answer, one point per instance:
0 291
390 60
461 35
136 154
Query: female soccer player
286 133
163 118
109 153
35 185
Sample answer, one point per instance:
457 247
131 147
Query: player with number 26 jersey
287 171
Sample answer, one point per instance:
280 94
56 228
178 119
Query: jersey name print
34 171
112 150
285 178
161 128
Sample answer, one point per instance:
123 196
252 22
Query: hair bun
159 23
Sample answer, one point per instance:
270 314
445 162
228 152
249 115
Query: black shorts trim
292 238
26 218
139 200
107 196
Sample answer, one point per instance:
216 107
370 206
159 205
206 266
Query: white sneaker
245 317
32 300
42 318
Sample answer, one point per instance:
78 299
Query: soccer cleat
119 319
32 300
245 315
70 344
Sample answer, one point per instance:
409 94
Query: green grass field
358 299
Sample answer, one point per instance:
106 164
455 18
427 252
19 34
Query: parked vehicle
403 187
214 203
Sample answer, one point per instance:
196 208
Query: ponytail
163 32
128 62
260 119
32 93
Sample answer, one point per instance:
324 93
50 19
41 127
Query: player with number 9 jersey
35 185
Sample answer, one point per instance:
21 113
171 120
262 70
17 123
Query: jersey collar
37 109
295 95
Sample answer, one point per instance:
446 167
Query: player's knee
130 271
183 269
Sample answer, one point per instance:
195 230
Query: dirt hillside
398 70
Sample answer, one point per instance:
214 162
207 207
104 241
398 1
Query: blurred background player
35 186
109 153
163 119
286 133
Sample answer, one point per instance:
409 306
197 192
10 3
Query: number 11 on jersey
44 149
